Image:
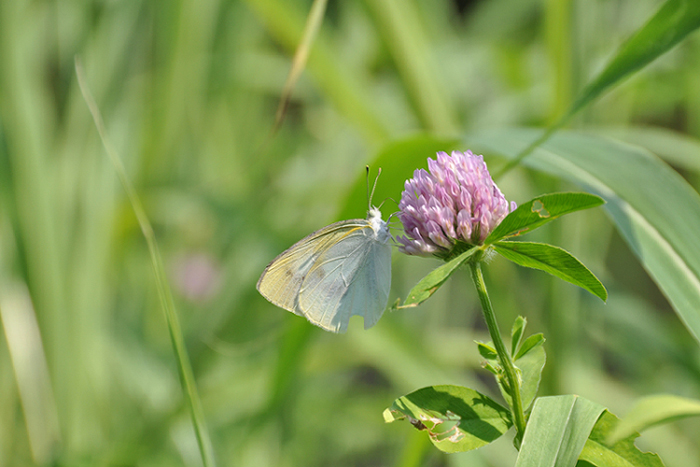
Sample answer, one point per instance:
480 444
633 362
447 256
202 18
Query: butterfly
341 270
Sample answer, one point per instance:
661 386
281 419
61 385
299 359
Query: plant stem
503 355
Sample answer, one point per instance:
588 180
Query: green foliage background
188 90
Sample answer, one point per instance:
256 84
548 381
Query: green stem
503 355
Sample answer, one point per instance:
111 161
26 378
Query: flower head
457 202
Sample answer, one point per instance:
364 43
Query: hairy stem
503 355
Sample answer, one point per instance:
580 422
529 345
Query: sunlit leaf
557 431
455 418
553 260
540 210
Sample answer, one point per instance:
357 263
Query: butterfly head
380 228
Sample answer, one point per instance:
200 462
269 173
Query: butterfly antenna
369 200
371 195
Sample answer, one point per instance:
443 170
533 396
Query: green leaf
539 211
671 24
516 333
554 260
676 148
655 210
654 410
623 453
557 431
435 278
529 344
530 364
487 351
456 418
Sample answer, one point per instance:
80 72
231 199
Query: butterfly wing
351 277
282 279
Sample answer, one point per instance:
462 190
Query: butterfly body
341 270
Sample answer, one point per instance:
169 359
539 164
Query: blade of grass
558 29
651 411
28 126
414 450
31 371
670 25
677 149
341 85
184 367
313 23
404 34
557 431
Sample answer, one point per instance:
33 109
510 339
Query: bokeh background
189 90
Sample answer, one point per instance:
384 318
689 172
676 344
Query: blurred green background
189 90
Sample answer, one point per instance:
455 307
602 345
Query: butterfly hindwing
351 277
368 293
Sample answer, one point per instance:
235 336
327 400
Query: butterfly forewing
282 279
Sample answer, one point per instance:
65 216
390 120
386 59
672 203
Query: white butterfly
344 269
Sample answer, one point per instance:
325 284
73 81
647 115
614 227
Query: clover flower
457 202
